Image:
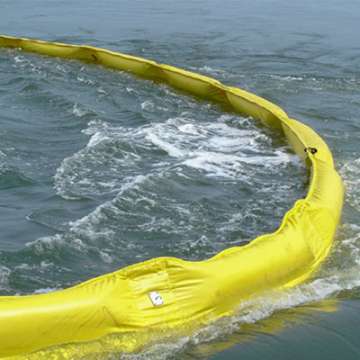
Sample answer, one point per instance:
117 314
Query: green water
99 169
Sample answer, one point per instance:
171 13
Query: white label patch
156 298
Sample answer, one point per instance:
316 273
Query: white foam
350 172
51 243
106 258
45 290
130 90
3 163
215 164
147 105
20 59
84 80
96 139
61 68
101 91
4 277
24 266
189 129
287 77
172 150
232 166
79 111
216 148
85 174
28 267
349 245
209 70
86 230
87 225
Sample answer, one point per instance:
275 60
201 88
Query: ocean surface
99 169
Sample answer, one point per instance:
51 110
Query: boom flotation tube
167 293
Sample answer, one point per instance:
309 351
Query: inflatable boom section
166 294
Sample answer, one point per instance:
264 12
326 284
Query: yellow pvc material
165 294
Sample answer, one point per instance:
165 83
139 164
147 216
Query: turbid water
99 169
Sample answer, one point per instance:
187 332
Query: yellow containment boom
167 294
